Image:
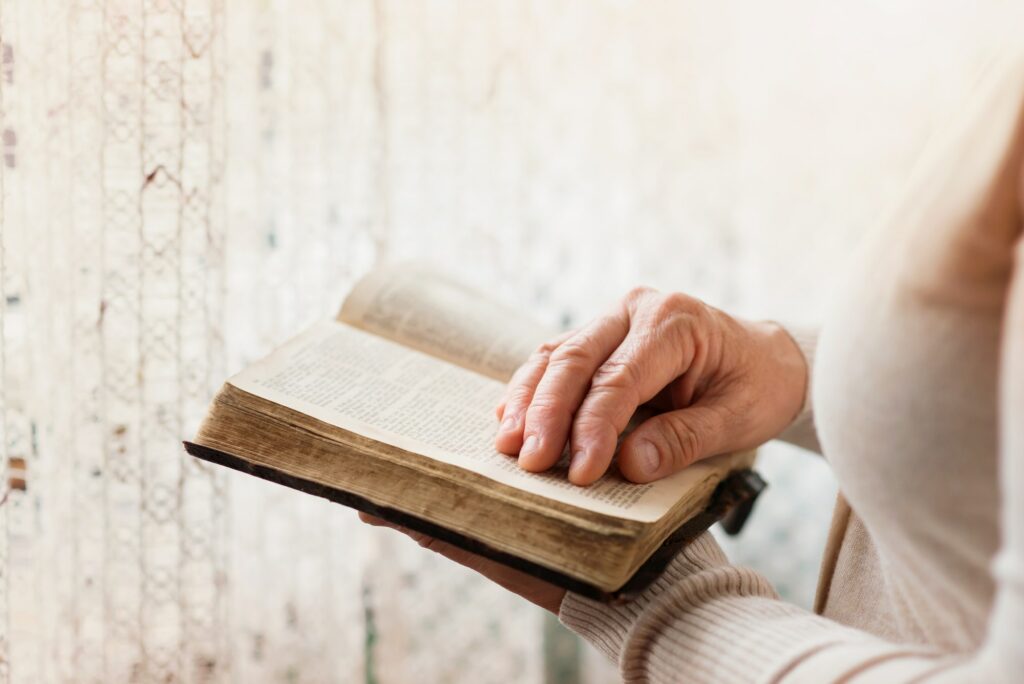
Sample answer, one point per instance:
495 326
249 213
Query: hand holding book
723 385
538 592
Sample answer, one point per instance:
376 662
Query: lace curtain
185 183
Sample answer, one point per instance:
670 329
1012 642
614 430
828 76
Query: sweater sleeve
707 621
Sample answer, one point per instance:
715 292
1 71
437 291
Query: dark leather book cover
731 503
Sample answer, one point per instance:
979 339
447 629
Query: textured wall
186 183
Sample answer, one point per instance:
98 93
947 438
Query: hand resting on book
724 384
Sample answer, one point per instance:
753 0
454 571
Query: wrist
793 369
777 371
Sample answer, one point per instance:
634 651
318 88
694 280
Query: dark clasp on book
730 504
749 485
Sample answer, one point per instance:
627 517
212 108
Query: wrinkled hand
725 384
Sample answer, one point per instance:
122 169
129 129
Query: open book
389 408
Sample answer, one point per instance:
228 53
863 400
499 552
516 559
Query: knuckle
613 391
518 400
684 444
541 354
544 412
571 353
615 374
517 396
588 420
675 304
544 350
678 314
595 423
637 294
547 347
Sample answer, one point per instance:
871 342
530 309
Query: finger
428 542
637 370
563 385
519 394
669 442
424 540
494 571
370 519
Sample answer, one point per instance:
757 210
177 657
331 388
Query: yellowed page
425 310
366 384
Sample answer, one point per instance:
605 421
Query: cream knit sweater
918 404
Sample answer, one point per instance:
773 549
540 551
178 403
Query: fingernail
647 459
509 424
579 459
529 446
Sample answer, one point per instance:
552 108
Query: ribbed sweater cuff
606 626
802 431
707 619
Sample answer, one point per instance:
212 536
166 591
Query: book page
365 384
425 310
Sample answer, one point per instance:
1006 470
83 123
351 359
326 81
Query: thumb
667 443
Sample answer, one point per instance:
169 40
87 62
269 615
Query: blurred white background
186 183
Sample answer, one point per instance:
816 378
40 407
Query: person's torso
905 386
